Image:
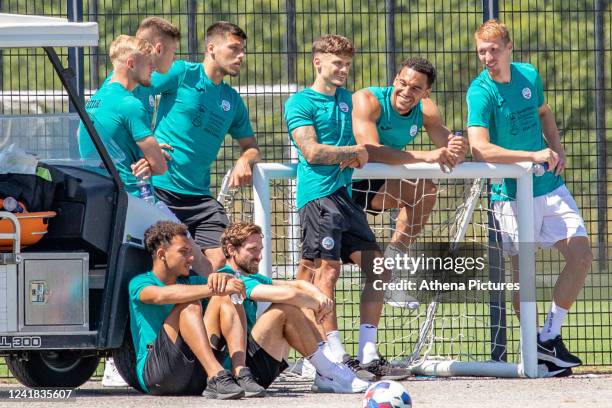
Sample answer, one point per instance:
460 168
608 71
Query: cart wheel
54 368
125 360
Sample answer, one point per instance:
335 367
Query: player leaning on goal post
509 122
334 228
386 120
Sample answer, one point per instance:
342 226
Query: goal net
436 329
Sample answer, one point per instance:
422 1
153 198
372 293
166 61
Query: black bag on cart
35 191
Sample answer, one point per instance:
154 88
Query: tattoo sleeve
316 153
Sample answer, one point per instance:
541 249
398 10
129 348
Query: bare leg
224 319
282 326
186 319
326 276
372 300
416 200
216 257
578 258
306 270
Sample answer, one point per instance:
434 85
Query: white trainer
111 377
343 381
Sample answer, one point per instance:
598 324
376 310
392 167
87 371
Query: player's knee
194 307
582 259
328 275
430 192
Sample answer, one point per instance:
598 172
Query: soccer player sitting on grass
509 122
386 120
174 356
283 325
334 227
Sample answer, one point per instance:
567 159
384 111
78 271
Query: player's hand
458 145
166 148
242 174
561 164
551 157
218 282
234 286
444 157
141 169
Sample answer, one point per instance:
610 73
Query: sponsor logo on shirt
343 107
225 105
151 101
328 243
526 93
413 130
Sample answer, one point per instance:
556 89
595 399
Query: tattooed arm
316 153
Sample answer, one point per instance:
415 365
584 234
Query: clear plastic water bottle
458 133
145 190
10 204
539 169
237 298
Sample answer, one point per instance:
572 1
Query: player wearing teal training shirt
508 122
282 325
334 227
197 109
387 120
119 117
173 355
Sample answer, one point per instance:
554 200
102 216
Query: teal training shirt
510 112
331 118
395 130
194 115
121 120
146 320
145 95
250 282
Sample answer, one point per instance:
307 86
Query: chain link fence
569 43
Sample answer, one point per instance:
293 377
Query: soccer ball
386 394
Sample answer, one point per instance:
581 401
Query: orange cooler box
33 226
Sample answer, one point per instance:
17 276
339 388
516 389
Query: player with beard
283 325
197 109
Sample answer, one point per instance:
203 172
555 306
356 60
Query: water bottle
458 133
539 169
237 298
12 205
145 190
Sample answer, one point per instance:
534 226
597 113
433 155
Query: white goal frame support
263 173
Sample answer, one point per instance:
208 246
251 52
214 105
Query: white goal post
264 173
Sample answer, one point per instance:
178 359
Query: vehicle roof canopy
25 31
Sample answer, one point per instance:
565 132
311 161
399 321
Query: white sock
367 344
553 323
323 364
334 344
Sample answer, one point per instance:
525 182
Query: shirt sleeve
137 284
241 125
170 81
137 120
479 106
251 281
298 113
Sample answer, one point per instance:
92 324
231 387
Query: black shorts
364 192
172 368
334 227
203 215
264 367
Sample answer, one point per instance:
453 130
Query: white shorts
556 217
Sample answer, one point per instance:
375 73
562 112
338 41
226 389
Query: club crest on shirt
526 93
328 243
343 107
413 130
225 105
